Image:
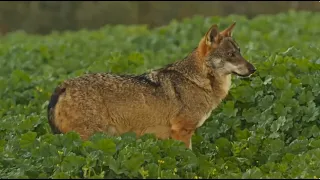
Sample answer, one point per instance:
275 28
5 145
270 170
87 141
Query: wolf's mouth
241 75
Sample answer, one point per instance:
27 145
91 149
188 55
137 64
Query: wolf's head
222 54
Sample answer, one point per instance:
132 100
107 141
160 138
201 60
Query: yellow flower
160 161
214 171
39 89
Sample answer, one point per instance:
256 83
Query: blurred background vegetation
42 17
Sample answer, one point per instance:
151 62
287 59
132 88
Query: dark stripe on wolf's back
52 103
144 78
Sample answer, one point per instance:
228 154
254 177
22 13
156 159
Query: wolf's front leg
184 135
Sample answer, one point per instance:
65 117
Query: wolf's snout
251 69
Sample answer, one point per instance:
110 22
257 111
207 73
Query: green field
268 127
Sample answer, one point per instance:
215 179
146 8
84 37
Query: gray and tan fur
171 102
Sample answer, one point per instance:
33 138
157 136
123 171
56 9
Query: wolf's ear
228 31
212 36
210 41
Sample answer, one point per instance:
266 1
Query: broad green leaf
254 173
106 145
27 140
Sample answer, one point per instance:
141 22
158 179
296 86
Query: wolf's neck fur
194 68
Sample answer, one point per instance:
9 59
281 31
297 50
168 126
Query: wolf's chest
220 93
203 119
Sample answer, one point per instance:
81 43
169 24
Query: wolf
169 102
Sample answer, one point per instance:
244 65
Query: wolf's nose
252 69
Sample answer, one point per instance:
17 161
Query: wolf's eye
230 54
